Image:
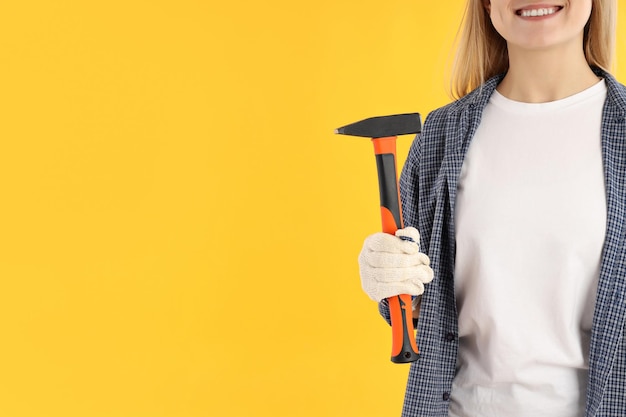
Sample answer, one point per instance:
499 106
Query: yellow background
179 226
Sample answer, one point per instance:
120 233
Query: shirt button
450 337
446 396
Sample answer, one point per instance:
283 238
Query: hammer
383 131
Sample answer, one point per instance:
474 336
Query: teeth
539 12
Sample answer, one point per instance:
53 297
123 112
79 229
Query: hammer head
384 126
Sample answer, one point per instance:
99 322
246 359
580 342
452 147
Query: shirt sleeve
409 186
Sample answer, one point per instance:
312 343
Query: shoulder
616 91
475 100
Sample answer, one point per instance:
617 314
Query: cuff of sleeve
415 301
383 309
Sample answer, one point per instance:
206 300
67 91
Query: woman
520 186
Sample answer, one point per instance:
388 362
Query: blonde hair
482 52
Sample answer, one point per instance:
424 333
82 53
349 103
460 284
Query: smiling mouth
540 11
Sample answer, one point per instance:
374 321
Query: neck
540 76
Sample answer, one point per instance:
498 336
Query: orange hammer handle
404 347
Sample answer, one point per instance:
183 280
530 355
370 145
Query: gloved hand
390 266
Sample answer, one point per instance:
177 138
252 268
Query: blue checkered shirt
428 186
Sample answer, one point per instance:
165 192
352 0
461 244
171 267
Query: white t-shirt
530 222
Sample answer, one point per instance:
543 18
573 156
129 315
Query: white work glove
391 266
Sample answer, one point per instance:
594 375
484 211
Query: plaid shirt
428 186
